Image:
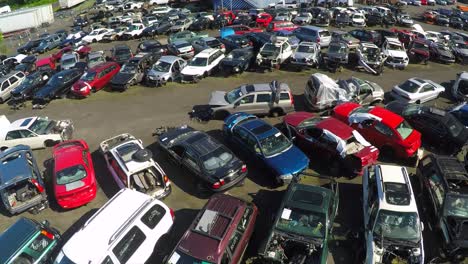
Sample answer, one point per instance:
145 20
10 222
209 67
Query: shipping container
26 18
69 3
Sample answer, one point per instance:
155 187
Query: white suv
125 230
132 166
393 230
202 65
395 52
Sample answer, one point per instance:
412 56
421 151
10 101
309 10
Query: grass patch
33 4
84 6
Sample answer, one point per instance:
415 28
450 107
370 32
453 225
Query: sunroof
313 198
397 193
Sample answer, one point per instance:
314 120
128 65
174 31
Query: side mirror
422 226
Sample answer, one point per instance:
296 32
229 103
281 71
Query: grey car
206 43
166 69
49 43
460 50
95 58
8 83
273 99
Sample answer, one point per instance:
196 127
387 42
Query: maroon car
333 141
219 234
418 51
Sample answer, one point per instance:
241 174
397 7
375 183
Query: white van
125 230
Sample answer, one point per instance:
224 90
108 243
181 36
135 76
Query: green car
303 225
28 242
186 35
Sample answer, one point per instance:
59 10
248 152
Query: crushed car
441 52
131 73
418 51
307 54
395 52
274 53
371 58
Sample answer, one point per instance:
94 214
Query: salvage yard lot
142 109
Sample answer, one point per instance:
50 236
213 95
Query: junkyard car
404 20
441 52
58 86
371 58
437 126
28 241
416 90
442 182
29 86
206 43
216 167
302 227
275 53
307 54
460 50
29 46
232 42
395 52
166 69
185 35
264 19
95 58
73 174
69 60
49 43
21 184
95 79
181 48
115 34
132 166
35 132
393 229
262 143
459 89
96 35
332 140
418 51
8 83
238 61
386 130
121 53
203 243
157 28
303 18
202 65
131 72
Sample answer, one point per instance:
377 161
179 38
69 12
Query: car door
428 92
190 161
245 104
263 103
243 140
383 135
312 142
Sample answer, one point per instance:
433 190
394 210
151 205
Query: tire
375 102
3 148
418 102
335 168
221 114
276 112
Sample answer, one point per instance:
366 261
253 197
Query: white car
393 229
158 2
417 90
132 5
358 20
35 132
395 52
161 10
202 65
134 31
96 35
125 229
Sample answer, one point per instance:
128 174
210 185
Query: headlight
287 176
82 89
236 69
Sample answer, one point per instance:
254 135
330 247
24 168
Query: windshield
68 61
128 68
216 159
235 54
233 95
88 76
397 225
181 258
454 126
409 86
93 33
392 46
28 80
269 49
404 129
71 174
161 66
418 45
305 49
456 206
199 62
274 144
96 59
294 220
336 49
40 126
134 27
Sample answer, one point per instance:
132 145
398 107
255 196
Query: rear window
213 42
129 244
153 216
324 34
284 96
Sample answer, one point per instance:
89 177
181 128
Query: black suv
121 54
443 182
215 165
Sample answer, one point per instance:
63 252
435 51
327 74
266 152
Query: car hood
192 70
302 55
290 161
462 51
445 53
158 74
457 227
122 78
397 53
218 98
22 89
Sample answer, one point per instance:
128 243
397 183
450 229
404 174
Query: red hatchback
331 140
219 234
264 19
241 29
73 179
384 129
95 78
281 25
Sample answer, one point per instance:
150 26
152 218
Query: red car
73 179
229 16
331 140
46 63
82 51
241 29
95 78
384 129
264 19
405 36
281 25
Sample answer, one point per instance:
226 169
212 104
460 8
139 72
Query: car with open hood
307 54
57 86
264 144
215 166
132 72
274 53
302 226
395 52
132 166
331 140
386 130
73 176
393 227
166 69
418 51
30 85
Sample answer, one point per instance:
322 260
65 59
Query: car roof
391 174
22 123
169 58
68 154
105 226
101 66
180 41
206 237
314 28
337 127
259 128
201 143
14 238
309 197
14 169
389 118
206 52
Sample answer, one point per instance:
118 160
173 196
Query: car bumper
303 62
397 63
190 78
167 191
81 93
232 183
119 87
77 200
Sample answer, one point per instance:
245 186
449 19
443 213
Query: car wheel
221 115
3 148
94 40
49 143
375 102
418 102
276 112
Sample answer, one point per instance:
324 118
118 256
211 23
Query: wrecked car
441 52
29 86
395 52
166 69
21 184
371 58
460 50
459 89
322 92
337 56
274 53
131 73
238 61
418 51
307 54
443 182
404 20
303 225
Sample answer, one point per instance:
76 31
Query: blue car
262 143
292 39
461 113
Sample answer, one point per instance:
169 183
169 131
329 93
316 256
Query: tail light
165 178
244 168
38 186
192 50
222 46
318 39
172 213
291 97
47 234
250 43
218 184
